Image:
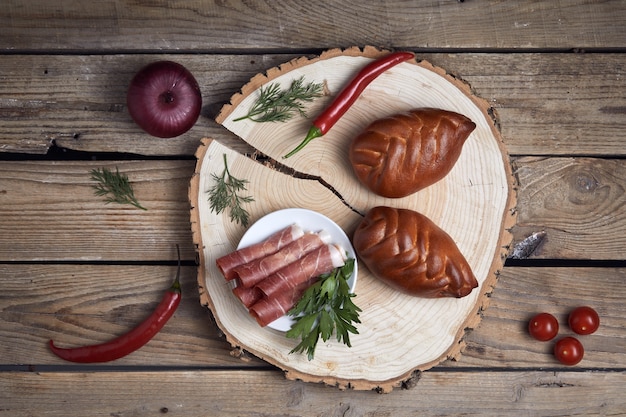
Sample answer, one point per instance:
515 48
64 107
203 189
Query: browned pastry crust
399 155
409 252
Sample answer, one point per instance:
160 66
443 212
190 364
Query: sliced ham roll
267 247
251 273
248 296
320 261
266 310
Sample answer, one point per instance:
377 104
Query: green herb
325 308
276 105
224 194
115 186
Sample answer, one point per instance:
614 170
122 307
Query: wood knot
585 183
585 189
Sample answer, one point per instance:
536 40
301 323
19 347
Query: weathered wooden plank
49 211
37 25
547 104
85 304
579 202
79 102
266 393
550 104
502 339
78 305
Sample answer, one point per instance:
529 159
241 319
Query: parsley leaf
326 308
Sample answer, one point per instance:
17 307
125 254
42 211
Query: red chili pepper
347 97
134 339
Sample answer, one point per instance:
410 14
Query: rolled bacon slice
266 247
251 273
266 310
320 261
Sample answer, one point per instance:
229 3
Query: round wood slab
474 203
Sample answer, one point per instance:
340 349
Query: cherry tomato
544 326
584 320
569 351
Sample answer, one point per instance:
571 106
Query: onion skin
164 99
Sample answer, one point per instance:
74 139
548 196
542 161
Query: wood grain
78 305
50 212
79 103
109 25
480 230
82 304
502 340
46 207
553 71
584 197
267 393
547 104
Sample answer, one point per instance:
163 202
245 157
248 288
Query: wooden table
79 271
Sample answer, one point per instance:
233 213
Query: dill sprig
115 186
224 194
276 105
325 308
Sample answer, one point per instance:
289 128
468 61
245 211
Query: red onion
164 99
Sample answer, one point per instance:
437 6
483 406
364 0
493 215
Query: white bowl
308 220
